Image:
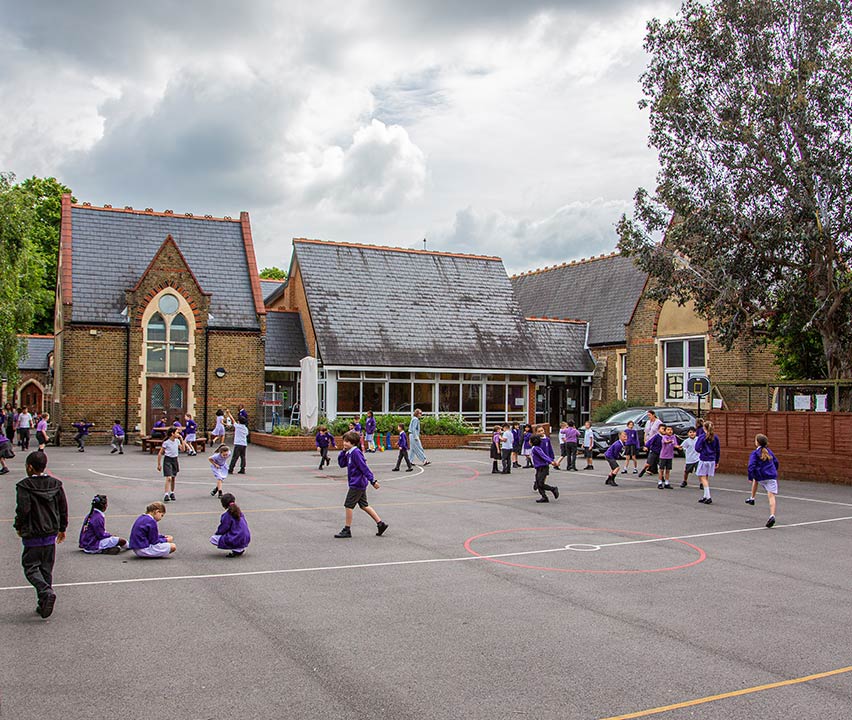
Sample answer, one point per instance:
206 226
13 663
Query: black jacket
42 508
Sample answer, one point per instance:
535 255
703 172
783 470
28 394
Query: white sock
706 491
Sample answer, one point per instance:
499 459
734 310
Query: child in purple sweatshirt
145 539
402 444
542 462
668 442
323 439
612 455
653 446
233 531
94 539
359 476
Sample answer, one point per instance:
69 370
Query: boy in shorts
612 455
359 476
688 447
669 441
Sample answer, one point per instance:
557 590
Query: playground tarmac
478 602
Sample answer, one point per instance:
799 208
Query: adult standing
24 425
417 451
652 427
41 518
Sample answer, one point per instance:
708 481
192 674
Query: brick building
645 350
34 388
156 314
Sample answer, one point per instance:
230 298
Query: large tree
751 112
22 271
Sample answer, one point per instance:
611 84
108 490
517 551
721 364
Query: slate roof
111 249
603 291
557 340
387 307
39 348
267 287
285 339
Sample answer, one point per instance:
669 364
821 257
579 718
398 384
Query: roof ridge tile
128 210
569 263
391 248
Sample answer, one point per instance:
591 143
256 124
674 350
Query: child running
631 447
542 462
612 455
690 454
218 434
763 469
323 440
652 462
117 438
94 539
233 531
709 452
145 538
219 463
83 428
588 445
170 448
402 444
359 476
668 442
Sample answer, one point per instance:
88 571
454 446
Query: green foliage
604 411
290 431
750 109
442 425
273 273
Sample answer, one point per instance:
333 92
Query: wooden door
166 396
32 398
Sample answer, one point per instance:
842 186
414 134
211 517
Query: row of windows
167 348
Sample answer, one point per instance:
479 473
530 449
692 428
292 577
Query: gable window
683 359
167 339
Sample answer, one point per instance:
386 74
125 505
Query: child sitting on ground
145 538
94 539
233 531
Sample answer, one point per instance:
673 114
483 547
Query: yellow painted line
735 693
454 501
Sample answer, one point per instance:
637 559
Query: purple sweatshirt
540 457
708 450
93 531
82 428
632 436
145 533
191 427
324 439
526 441
569 435
613 452
762 470
357 472
668 446
547 447
234 533
117 430
370 426
402 444
655 444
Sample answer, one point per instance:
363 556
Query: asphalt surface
591 610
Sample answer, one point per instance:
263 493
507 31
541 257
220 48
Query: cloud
381 170
579 229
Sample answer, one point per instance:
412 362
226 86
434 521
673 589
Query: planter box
293 443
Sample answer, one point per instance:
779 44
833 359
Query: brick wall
294 299
642 352
605 387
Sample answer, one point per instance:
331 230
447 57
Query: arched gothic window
167 339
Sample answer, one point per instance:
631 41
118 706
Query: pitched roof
604 291
394 307
285 339
38 348
110 249
267 287
560 342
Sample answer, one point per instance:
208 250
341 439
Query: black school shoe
111 551
380 528
555 492
46 609
749 501
684 484
771 521
234 554
542 500
345 533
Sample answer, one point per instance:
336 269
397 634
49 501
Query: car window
668 416
622 417
684 416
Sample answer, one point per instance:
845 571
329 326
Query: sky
498 127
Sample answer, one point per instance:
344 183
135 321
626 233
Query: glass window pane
157 327
176 397
449 376
423 396
348 396
399 397
472 376
371 374
424 376
495 398
373 394
178 358
674 386
696 353
156 362
179 330
674 354
470 398
158 397
449 398
517 378
516 398
400 376
495 378
349 374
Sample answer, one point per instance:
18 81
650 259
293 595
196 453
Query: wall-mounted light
220 372
533 379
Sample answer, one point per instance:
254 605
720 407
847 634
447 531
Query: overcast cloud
486 126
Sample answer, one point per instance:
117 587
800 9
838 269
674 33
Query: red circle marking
702 556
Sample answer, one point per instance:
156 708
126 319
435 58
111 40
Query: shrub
288 430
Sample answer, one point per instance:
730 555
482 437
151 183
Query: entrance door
166 396
32 398
557 406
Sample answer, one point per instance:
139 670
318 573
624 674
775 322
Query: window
373 394
167 336
448 398
348 399
423 396
399 397
683 359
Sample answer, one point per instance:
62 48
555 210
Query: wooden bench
153 445
199 444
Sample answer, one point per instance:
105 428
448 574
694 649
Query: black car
607 432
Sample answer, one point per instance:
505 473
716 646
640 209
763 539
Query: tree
273 273
751 112
22 272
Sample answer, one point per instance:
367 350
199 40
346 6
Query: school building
645 351
34 389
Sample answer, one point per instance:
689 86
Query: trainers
47 605
683 484
542 500
555 492
214 491
166 497
749 501
234 554
113 451
624 472
771 521
666 486
635 471
380 528
345 533
112 551
173 498
659 486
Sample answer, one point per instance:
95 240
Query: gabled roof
267 287
108 251
285 339
38 349
380 306
603 291
561 340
